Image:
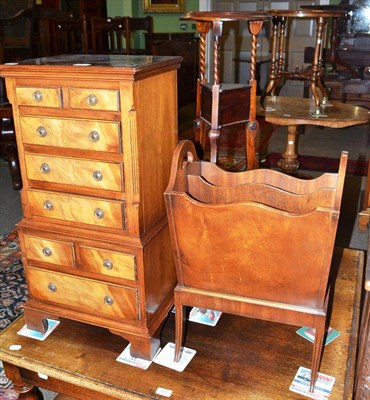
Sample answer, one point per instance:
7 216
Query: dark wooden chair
109 35
257 243
16 43
140 35
69 36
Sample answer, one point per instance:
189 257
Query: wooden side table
294 112
237 359
278 69
215 102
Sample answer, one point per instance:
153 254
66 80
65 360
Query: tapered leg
289 161
179 328
317 351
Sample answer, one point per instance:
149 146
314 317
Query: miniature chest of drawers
95 137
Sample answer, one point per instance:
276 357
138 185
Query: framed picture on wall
164 6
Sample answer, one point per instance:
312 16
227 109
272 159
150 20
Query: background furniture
16 33
185 45
279 72
94 236
109 35
266 243
140 31
89 369
69 36
122 35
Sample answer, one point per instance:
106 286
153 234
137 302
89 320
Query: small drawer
78 209
74 171
50 251
94 99
39 97
110 263
84 295
74 134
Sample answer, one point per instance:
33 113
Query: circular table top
307 13
209 16
301 111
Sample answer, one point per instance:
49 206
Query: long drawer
84 295
78 209
74 171
71 133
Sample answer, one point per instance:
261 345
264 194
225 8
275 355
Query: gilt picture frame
164 6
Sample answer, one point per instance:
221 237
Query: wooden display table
278 72
79 360
295 111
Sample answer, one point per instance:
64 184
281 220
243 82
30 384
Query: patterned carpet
13 288
13 294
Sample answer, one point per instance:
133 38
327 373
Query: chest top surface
86 64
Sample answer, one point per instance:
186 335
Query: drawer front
50 251
75 134
84 295
110 263
39 97
74 171
94 99
79 209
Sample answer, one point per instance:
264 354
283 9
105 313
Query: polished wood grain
102 261
72 133
240 358
50 251
33 96
242 266
294 112
95 135
76 209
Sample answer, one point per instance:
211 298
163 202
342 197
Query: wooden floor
240 358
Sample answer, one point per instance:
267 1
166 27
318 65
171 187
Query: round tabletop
209 16
301 111
308 13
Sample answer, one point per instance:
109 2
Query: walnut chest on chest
95 137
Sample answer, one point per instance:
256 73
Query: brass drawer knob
48 205
37 95
92 100
45 168
99 213
52 287
107 264
97 175
47 252
41 131
108 301
94 136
